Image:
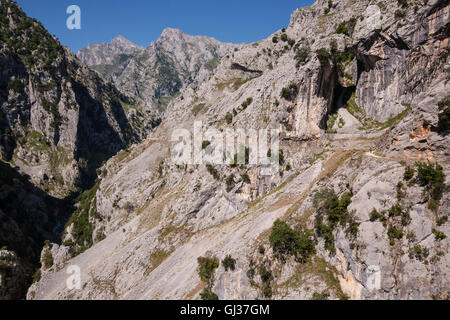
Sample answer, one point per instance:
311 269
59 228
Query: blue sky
142 21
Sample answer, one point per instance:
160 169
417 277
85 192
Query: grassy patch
36 141
233 84
392 121
198 108
81 220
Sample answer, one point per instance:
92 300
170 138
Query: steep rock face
12 276
59 120
379 231
110 59
28 217
400 60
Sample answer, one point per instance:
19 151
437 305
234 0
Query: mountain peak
120 40
171 34
104 53
171 31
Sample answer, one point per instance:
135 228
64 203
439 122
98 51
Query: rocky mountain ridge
155 75
105 53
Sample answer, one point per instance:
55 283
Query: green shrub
409 173
429 174
275 39
229 118
261 250
432 177
281 159
267 291
207 294
442 220
251 270
235 161
344 57
403 3
161 168
291 42
284 37
290 93
353 229
393 234
212 171
323 55
205 144
302 56
229 263
336 212
206 268
246 103
47 259
444 103
395 210
197 108
230 182
266 279
286 241
82 228
337 209
374 215
439 235
433 205
37 276
212 64
53 109
246 178
406 218
342 29
444 120
418 252
400 14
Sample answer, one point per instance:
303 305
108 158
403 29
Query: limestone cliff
58 119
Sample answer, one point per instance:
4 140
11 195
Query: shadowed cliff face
59 120
29 216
